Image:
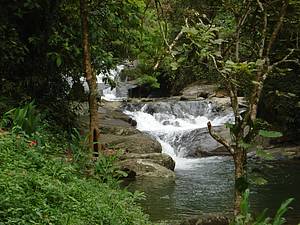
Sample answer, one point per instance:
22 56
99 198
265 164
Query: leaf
278 220
269 134
58 60
264 154
174 65
190 30
260 62
259 181
217 41
256 83
245 145
245 203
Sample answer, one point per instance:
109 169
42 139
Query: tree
238 43
246 125
91 79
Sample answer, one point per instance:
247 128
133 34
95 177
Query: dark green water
206 186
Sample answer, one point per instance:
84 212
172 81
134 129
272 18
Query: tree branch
277 27
220 139
264 31
285 60
170 47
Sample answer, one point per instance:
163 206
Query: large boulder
142 153
136 143
118 131
146 168
197 90
159 158
199 143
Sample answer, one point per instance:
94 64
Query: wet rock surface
197 89
146 168
141 152
199 143
161 159
135 143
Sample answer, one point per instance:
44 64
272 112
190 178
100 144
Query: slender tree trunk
240 160
91 80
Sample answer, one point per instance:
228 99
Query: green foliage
38 187
107 170
24 118
246 218
149 81
269 134
40 46
79 149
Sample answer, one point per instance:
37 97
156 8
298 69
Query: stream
202 185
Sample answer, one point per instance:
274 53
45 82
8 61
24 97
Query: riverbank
42 182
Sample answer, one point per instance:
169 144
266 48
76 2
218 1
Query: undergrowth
39 185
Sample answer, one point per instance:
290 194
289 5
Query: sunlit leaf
269 134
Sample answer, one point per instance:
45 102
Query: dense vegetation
45 179
229 42
41 45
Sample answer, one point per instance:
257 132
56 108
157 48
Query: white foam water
167 127
108 93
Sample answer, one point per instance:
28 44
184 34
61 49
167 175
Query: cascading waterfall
203 185
118 93
180 126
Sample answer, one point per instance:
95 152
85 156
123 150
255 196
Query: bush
246 218
23 119
40 188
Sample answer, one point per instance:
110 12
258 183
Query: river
204 185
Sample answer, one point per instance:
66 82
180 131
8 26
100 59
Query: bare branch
285 59
216 66
170 47
220 139
264 31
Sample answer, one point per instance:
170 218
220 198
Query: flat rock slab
159 158
136 143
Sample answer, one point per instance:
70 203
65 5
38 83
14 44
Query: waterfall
180 126
118 93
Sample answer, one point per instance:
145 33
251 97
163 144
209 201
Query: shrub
39 188
23 119
246 218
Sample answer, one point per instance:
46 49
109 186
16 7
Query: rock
196 90
133 123
221 93
220 151
122 131
159 158
146 168
285 153
142 156
207 220
199 143
136 143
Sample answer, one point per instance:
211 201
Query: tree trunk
240 160
91 80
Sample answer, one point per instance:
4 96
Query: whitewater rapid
168 128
